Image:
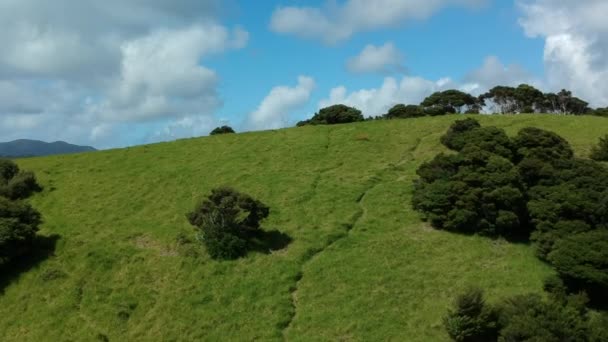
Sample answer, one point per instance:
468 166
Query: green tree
451 101
471 319
600 152
222 130
401 111
16 184
19 223
336 114
227 221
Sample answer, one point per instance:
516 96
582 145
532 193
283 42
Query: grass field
361 265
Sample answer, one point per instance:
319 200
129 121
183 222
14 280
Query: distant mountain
36 148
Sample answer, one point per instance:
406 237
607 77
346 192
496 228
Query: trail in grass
359 215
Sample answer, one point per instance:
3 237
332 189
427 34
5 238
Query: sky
118 73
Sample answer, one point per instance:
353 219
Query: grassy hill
361 264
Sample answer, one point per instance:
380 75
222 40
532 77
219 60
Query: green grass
361 267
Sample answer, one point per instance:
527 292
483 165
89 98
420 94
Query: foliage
336 114
532 142
582 260
222 130
401 111
456 138
600 151
451 101
529 318
18 226
471 319
16 184
473 192
228 220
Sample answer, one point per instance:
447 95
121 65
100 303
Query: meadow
360 264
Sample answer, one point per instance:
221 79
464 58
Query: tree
471 319
16 184
455 137
401 111
582 261
529 99
600 152
503 98
19 223
222 130
532 142
228 220
564 103
452 101
336 114
469 132
600 112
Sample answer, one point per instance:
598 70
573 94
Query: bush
470 319
336 114
455 137
16 184
227 221
18 226
473 192
582 261
401 111
529 318
532 142
222 130
600 152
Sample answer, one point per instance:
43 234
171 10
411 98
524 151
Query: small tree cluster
336 114
222 130
600 152
523 318
528 186
227 221
14 183
18 226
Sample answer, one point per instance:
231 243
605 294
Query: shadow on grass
43 248
270 241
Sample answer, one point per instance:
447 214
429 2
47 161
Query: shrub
336 114
18 226
600 152
471 319
532 142
529 318
16 184
455 136
473 192
227 221
582 260
222 130
402 111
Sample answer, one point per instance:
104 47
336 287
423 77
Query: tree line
499 100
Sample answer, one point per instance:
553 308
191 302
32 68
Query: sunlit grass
361 266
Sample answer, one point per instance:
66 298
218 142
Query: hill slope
36 148
361 266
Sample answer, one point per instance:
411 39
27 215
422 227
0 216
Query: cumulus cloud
576 44
336 22
493 72
74 77
377 59
412 90
376 101
273 112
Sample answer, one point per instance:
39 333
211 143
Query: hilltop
36 148
361 264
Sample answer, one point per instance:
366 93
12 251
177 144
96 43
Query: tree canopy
336 114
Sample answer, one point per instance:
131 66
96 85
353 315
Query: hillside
36 148
361 264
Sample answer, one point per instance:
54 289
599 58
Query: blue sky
128 72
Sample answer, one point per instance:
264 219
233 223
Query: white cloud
576 44
493 73
380 59
336 22
376 101
81 77
412 90
273 112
